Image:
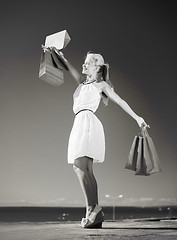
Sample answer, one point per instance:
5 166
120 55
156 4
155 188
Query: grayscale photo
88 120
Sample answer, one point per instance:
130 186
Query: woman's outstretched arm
123 104
75 74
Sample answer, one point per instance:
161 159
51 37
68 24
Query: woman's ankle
89 210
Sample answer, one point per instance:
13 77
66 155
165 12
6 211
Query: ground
124 230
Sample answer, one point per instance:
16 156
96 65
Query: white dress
87 135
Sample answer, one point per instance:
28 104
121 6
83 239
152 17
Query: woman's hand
49 49
142 123
45 49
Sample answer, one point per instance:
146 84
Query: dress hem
94 159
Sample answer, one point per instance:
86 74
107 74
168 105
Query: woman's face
89 68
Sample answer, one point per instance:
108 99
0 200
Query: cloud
58 202
63 202
143 201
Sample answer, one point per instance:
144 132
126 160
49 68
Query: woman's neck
87 82
91 78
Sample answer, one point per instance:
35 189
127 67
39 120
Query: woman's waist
86 107
83 110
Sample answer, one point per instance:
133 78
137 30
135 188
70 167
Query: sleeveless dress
87 135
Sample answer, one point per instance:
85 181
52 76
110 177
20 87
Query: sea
65 214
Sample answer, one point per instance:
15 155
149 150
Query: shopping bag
140 163
150 154
143 157
132 158
52 61
136 161
59 40
50 70
59 59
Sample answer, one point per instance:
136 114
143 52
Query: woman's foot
94 213
97 223
94 219
89 210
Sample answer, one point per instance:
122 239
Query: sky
138 40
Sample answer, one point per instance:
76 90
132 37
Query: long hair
103 71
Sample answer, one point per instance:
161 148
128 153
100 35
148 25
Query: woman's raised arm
115 98
75 74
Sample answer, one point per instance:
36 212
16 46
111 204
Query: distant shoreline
57 214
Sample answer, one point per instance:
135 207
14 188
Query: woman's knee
81 163
78 169
75 168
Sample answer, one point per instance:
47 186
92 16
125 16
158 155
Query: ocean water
57 214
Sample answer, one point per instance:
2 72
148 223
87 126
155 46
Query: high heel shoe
95 219
97 222
94 213
91 216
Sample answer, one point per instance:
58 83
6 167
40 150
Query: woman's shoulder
102 85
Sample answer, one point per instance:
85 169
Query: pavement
124 230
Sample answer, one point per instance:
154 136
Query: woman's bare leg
84 170
93 181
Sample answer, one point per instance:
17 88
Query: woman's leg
84 170
93 181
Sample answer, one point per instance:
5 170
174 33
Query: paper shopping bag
59 40
150 154
59 59
132 158
49 71
143 158
136 161
141 168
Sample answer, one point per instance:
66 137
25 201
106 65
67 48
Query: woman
87 141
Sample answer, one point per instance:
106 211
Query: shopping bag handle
143 125
143 128
45 49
